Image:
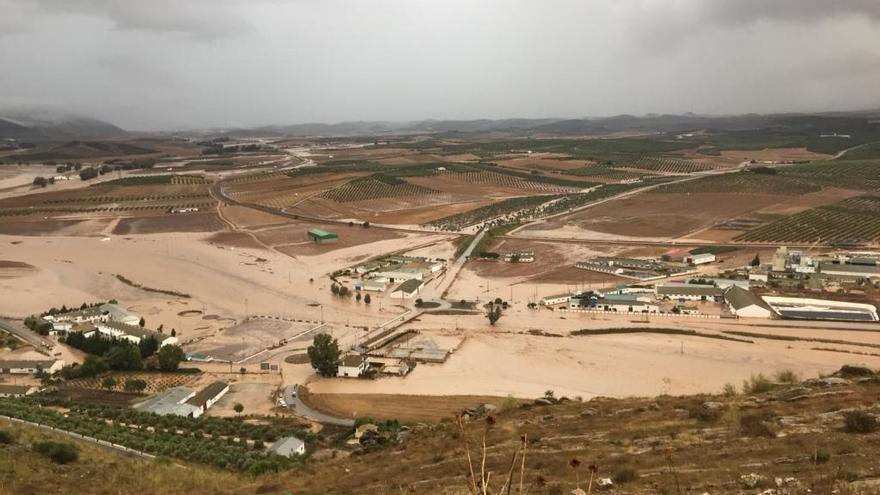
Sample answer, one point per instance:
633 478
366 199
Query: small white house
352 366
288 447
207 397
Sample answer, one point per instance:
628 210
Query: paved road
294 403
436 292
18 330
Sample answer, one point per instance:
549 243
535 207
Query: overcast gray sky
196 63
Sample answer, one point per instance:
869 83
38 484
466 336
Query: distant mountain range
54 128
601 126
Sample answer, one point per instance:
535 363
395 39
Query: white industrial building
131 333
30 367
746 304
687 292
699 259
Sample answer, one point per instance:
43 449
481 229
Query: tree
134 385
324 354
358 297
108 382
494 314
238 408
173 332
57 452
170 357
142 322
756 261
88 173
367 299
40 182
125 357
92 366
148 346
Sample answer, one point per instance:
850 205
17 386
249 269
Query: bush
787 376
706 414
728 390
821 456
57 452
5 437
859 422
755 425
757 384
625 475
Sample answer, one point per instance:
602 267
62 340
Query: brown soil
250 218
35 226
292 240
663 214
186 222
234 239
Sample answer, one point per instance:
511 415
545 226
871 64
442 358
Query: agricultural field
854 220
746 182
156 382
855 174
665 165
376 187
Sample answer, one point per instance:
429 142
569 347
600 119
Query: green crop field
854 220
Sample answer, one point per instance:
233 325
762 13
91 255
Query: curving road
293 402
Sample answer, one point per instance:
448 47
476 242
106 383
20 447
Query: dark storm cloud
151 64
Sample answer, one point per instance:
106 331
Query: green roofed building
322 236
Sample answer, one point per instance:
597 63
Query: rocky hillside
782 437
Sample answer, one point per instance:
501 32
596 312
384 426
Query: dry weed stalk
484 487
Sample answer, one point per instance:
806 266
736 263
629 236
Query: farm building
322 236
746 304
352 366
554 300
407 289
871 272
120 314
87 315
619 303
288 447
208 396
372 285
171 402
15 390
687 292
29 367
798 308
132 333
721 283
699 259
400 274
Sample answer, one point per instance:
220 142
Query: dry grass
405 408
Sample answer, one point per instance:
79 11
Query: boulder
751 480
